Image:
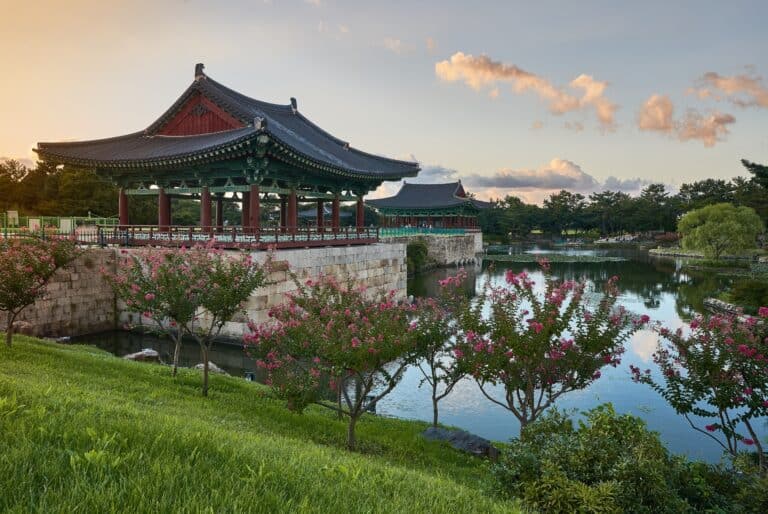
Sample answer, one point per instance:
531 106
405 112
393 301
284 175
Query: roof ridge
90 141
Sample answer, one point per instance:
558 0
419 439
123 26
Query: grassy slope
82 431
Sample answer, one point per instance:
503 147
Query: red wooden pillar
283 212
293 212
219 213
254 209
320 215
163 210
335 214
360 217
245 218
205 208
122 207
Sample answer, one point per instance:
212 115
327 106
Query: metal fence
416 231
12 225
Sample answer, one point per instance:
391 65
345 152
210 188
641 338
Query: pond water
648 285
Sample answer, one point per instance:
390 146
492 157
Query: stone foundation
380 267
448 250
78 301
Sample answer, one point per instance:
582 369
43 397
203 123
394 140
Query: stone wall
448 250
78 301
380 267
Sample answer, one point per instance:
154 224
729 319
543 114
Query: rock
24 328
212 368
464 441
145 355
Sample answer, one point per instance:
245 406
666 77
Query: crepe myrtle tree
159 284
333 335
26 266
188 291
718 369
435 330
539 346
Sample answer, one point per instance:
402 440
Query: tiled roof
284 123
426 196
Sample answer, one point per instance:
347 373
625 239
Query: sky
512 98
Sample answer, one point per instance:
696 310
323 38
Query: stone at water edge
145 355
212 368
464 441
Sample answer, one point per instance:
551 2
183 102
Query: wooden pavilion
217 144
430 205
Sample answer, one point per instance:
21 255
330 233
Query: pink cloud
742 90
657 115
483 72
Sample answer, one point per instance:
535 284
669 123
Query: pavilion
214 141
430 205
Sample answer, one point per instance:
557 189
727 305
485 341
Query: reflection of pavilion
214 141
434 205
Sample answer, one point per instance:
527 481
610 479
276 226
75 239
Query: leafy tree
336 332
539 347
27 265
188 292
718 370
434 333
720 228
159 284
565 210
705 192
759 172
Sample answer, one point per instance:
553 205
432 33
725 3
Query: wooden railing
234 237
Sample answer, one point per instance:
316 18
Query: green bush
750 294
417 255
613 463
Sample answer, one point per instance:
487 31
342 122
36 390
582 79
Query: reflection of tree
646 277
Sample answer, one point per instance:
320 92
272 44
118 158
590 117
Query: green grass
83 431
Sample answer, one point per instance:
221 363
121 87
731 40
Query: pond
648 285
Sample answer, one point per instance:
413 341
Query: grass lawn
83 431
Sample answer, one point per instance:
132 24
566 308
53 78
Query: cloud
483 72
576 126
557 174
742 90
429 174
344 29
708 129
431 45
657 115
536 125
625 185
394 45
315 3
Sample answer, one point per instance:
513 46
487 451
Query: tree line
615 212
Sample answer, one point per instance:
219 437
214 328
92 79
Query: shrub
612 463
417 255
749 294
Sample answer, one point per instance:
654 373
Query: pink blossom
149 297
355 342
763 312
597 375
694 324
711 428
459 354
748 442
645 318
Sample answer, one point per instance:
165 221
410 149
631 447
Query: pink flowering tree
329 335
191 292
718 370
26 267
160 284
435 330
224 283
539 346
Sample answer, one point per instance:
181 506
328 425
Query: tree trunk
351 441
434 411
9 329
205 370
176 352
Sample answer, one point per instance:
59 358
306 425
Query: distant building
430 205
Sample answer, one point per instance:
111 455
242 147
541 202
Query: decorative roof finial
259 123
294 105
199 70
